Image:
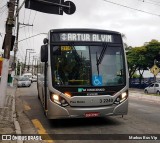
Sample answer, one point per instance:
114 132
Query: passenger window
156 85
151 85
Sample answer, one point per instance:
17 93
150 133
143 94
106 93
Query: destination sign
86 37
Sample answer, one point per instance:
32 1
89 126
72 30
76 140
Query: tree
137 61
132 67
153 49
142 58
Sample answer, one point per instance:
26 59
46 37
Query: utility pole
16 43
33 65
29 59
26 58
17 34
7 47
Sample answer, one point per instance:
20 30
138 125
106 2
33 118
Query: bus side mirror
45 41
44 53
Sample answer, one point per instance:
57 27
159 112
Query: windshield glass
23 78
107 65
71 65
87 65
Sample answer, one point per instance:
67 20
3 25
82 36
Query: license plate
92 114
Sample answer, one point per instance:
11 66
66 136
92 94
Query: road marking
27 107
41 130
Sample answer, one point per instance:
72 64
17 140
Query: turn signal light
68 94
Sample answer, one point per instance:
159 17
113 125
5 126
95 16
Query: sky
138 20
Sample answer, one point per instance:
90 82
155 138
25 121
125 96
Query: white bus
83 73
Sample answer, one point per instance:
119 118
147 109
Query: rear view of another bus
83 73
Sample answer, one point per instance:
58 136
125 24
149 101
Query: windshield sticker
97 80
91 89
80 89
66 48
70 48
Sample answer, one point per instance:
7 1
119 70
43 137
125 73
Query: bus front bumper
58 112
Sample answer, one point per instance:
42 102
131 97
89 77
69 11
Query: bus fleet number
106 100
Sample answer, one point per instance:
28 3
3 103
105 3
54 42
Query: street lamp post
29 59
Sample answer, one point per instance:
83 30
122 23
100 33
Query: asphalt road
143 118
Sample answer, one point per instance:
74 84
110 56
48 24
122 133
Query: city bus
83 73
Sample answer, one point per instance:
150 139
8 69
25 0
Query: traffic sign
51 6
155 70
70 9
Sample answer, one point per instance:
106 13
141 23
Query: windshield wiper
97 63
99 60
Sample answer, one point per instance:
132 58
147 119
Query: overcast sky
138 27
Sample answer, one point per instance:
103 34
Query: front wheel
158 92
146 92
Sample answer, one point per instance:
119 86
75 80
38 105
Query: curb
15 119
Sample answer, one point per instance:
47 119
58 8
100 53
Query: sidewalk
8 122
142 96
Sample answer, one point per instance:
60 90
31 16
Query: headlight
121 98
59 100
55 98
123 95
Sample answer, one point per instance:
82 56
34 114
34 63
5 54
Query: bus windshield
87 66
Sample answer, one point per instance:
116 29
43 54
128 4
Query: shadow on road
80 122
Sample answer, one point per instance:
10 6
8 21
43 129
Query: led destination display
85 37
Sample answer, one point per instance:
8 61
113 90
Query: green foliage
142 58
135 75
153 49
136 59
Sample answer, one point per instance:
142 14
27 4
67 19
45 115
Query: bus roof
85 30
